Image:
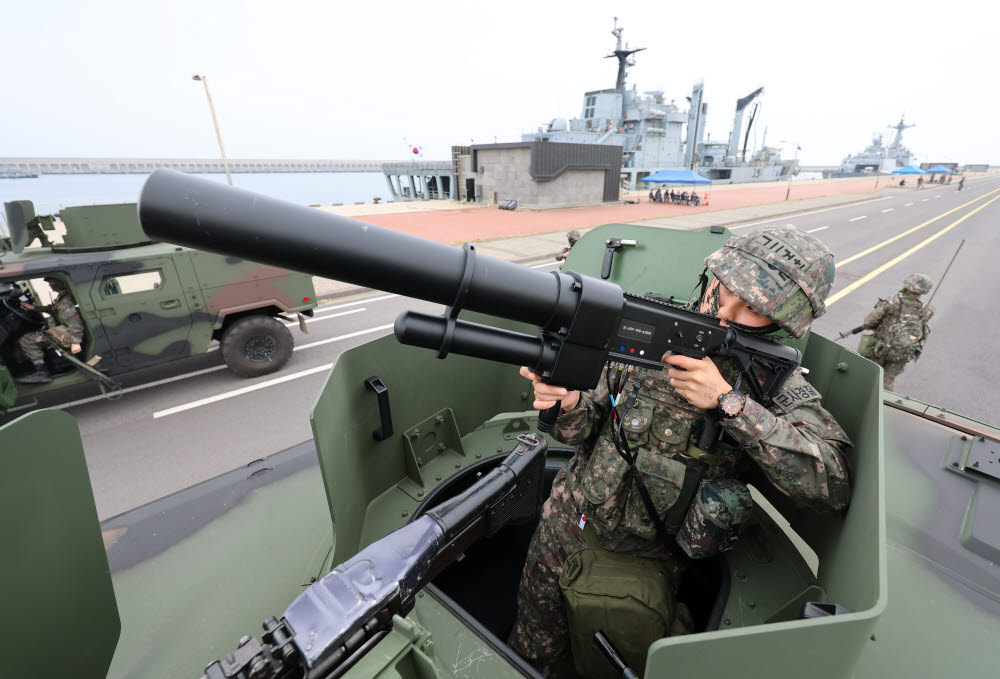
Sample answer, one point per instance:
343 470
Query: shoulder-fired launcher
583 322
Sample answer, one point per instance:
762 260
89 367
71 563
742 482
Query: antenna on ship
622 53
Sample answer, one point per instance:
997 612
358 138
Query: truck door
143 311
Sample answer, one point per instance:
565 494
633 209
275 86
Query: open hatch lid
19 213
60 611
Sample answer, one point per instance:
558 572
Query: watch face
731 404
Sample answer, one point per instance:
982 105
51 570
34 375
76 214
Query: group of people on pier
682 198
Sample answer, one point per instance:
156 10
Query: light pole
211 107
794 163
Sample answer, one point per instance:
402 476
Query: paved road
895 236
191 420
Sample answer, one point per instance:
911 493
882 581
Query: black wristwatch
732 404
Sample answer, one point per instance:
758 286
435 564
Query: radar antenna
622 53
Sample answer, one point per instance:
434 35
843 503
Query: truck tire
256 345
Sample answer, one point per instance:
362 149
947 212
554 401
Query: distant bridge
147 165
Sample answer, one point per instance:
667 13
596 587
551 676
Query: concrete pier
208 165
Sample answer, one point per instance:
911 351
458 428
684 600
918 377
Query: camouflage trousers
541 633
33 344
890 371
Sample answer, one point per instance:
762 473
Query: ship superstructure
655 134
878 157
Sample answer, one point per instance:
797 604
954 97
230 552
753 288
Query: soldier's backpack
904 339
629 598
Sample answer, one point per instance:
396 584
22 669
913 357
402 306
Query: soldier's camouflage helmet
917 283
783 273
573 236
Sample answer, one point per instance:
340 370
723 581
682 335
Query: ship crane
741 104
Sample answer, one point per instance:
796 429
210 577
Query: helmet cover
917 283
782 273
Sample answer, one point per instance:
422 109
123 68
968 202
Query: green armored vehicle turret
131 302
391 545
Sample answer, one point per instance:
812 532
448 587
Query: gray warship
877 157
655 134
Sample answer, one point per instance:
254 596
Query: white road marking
908 205
924 200
326 318
205 371
888 209
140 387
539 266
790 224
343 337
857 218
269 383
240 392
820 228
814 212
325 308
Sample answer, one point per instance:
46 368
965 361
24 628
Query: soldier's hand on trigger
546 395
699 382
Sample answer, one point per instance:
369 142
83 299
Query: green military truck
141 303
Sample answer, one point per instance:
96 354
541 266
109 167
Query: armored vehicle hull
194 572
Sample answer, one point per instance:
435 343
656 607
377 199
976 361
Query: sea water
51 192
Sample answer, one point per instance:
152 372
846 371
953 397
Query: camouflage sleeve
67 314
800 451
575 427
876 315
928 312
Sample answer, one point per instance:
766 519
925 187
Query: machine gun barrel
338 619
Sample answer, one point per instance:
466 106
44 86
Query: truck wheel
256 345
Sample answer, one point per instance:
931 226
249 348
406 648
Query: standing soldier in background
573 236
68 331
899 326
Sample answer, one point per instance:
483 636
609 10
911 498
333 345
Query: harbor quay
526 236
472 222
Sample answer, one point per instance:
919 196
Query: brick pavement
473 224
541 246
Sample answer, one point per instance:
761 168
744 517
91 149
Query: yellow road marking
864 279
907 233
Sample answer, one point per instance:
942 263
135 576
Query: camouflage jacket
889 312
797 444
66 314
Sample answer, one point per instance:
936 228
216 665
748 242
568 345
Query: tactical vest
659 427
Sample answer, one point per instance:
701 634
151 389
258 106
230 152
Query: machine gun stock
583 322
337 619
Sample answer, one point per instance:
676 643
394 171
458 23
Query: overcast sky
335 79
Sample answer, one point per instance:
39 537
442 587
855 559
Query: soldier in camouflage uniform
68 331
900 327
573 236
765 281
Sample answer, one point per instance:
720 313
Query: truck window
126 284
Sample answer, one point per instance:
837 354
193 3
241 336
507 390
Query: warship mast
899 127
622 53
